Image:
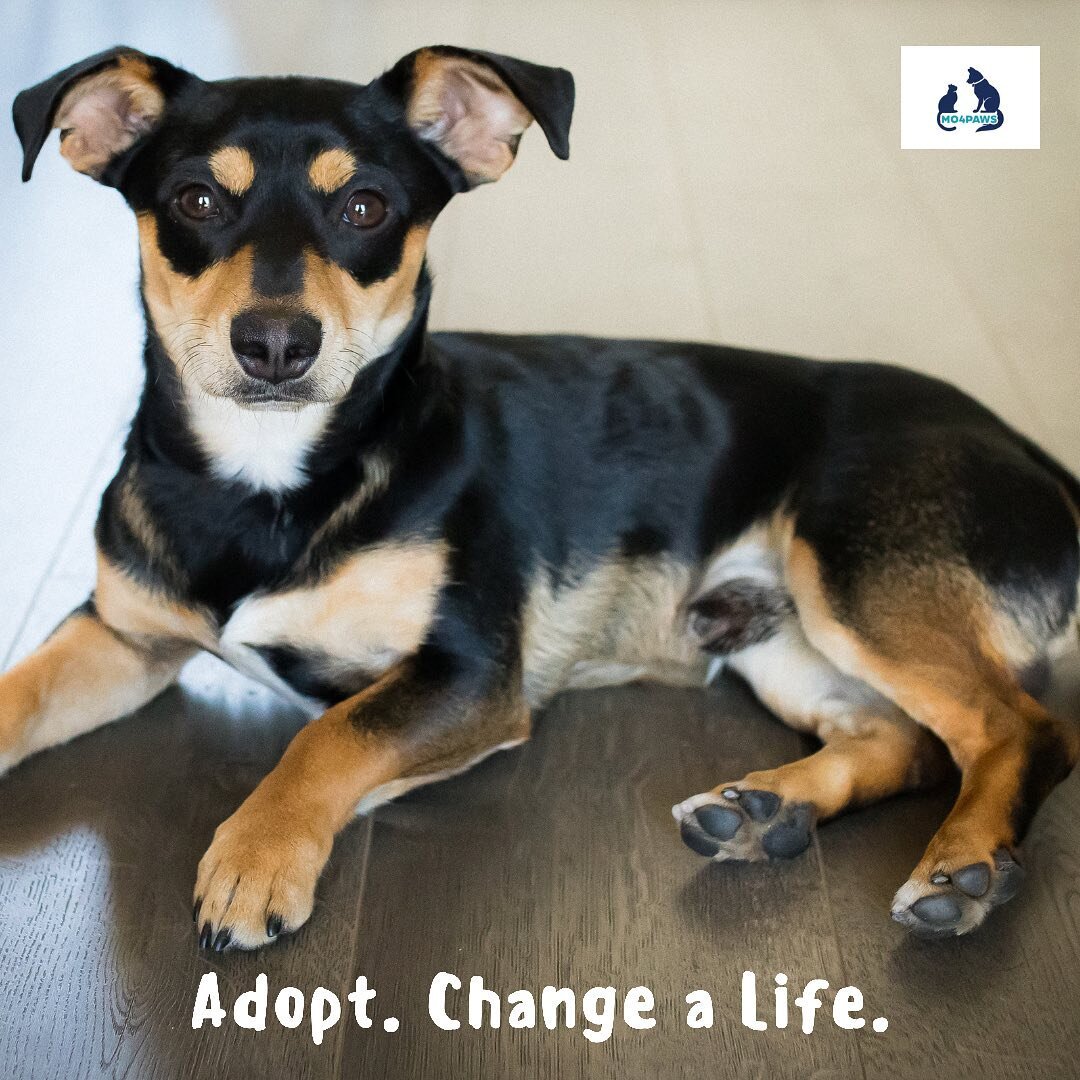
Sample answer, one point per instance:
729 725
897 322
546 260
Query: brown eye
198 202
365 208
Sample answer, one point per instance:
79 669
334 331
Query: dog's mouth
271 402
327 381
256 394
257 372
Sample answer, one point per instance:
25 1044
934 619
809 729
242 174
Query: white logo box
925 74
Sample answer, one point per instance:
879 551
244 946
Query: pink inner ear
103 117
472 116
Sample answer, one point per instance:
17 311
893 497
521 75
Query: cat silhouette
947 104
989 98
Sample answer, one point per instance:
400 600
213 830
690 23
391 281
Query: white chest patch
267 449
248 661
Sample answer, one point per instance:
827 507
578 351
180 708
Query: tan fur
884 758
331 169
615 620
194 315
376 472
360 322
925 644
872 748
266 858
148 619
233 168
83 676
918 647
469 112
481 726
103 114
374 608
132 511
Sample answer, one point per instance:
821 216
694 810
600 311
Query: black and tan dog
422 538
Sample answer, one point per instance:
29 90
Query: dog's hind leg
930 639
871 751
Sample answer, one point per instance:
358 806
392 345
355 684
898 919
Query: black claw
719 821
274 925
195 912
221 942
973 880
206 938
696 838
760 805
937 911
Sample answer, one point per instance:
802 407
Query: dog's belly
325 641
617 621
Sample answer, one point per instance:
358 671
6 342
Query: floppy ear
102 105
473 106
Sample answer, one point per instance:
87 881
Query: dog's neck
280 452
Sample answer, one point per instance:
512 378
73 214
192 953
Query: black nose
275 346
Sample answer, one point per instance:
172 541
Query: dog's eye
198 202
365 208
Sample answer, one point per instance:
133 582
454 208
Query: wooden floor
735 176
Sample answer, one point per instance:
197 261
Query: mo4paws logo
969 115
987 113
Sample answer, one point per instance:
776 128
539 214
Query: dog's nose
275 346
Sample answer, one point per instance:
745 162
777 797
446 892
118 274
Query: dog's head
974 76
282 222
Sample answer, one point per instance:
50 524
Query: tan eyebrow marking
330 169
233 168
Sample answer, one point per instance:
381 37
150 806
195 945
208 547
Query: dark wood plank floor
787 221
554 863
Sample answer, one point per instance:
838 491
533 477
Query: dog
421 538
946 104
989 100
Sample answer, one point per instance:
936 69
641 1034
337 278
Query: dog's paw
256 881
947 902
745 825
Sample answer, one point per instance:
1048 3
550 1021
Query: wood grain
560 863
554 863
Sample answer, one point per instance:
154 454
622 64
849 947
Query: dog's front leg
429 716
84 675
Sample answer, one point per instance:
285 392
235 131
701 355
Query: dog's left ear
103 106
474 106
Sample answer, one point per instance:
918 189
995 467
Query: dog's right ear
102 105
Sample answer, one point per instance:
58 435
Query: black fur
527 450
462 479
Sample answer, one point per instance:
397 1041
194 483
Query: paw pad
954 902
745 825
938 911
